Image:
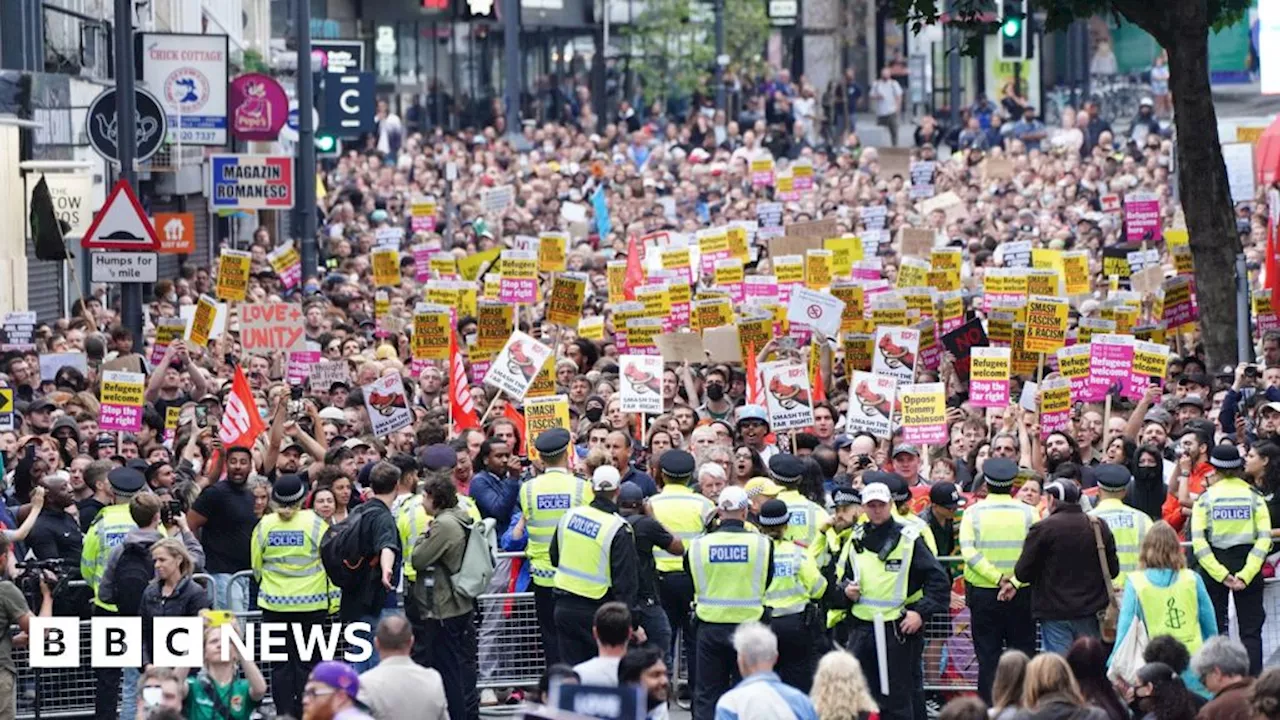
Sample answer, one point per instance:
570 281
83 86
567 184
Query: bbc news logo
178 642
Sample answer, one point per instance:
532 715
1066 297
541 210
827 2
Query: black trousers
421 651
998 626
289 678
455 646
544 603
106 696
717 665
915 646
675 592
795 649
1250 615
575 617
898 704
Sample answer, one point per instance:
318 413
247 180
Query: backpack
133 572
341 552
479 559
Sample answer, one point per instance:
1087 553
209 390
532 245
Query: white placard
517 365
387 405
895 353
816 310
787 395
871 404
641 379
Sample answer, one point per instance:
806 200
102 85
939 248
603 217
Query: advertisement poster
259 107
387 405
895 353
924 413
188 74
641 378
871 404
787 396
515 367
989 376
121 408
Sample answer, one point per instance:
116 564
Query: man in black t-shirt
224 517
56 535
649 533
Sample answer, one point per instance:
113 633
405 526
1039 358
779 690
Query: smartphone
787 343
202 415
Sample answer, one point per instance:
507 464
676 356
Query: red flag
461 408
510 412
241 423
818 388
755 390
1273 247
635 271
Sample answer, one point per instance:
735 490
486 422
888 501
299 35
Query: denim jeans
129 696
228 595
1057 635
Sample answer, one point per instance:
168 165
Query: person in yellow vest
107 531
292 585
543 501
790 597
832 554
1169 598
1230 537
1128 525
889 563
991 536
594 554
807 517
731 570
684 514
902 514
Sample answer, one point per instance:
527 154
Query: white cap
876 492
733 498
333 413
606 479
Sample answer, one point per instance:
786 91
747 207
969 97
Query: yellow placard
676 259
1046 324
1075 272
913 272
656 298
817 269
1021 360
713 241
754 334
857 351
889 315
851 320
1126 317
431 330
386 267
943 280
946 258
381 304
172 415
122 391
1150 359
471 266
515 266
202 321
494 323
1046 259
845 251
1055 399
617 276
553 252
1044 282
711 312
1073 362
591 328
1093 326
738 243
1183 264
233 275
543 413
993 364
443 264
952 306
920 300
789 269
287 257
643 332
924 405
545 381
729 272
564 306
1000 327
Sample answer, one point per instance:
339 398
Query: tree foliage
673 44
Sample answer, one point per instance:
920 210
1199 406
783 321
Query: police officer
832 552
105 533
902 510
807 517
292 585
796 583
731 570
594 554
543 501
991 537
1128 525
683 513
1230 537
889 563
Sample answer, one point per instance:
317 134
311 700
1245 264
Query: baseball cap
760 486
1193 400
333 413
907 448
947 495
606 479
733 498
876 492
752 412
1272 406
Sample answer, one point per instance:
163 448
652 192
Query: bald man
398 687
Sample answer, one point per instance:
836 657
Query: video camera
28 580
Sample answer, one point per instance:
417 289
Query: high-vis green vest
991 537
106 532
585 539
882 584
796 580
1129 526
729 570
544 500
1230 514
412 521
807 518
285 557
682 512
843 545
1170 610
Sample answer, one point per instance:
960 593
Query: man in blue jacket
496 487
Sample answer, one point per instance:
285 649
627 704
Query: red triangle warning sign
121 224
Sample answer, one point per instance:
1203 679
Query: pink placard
1052 422
1142 219
925 434
119 418
989 393
1111 370
520 291
422 263
299 368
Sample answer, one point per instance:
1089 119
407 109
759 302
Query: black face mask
594 414
715 393
1148 474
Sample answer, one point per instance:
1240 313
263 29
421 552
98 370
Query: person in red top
1188 481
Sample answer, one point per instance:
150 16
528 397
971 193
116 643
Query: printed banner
287 264
1046 324
300 364
787 395
564 305
924 413
989 374
1141 217
1111 363
167 330
233 275
516 366
641 378
387 405
553 252
122 400
202 320
871 404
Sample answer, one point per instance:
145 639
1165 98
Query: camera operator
14 610
56 536
1255 388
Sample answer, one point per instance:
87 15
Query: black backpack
345 560
133 572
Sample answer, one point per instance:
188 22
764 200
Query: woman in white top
1068 137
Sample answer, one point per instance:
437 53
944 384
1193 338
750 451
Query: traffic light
1013 29
326 145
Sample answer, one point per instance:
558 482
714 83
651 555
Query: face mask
715 392
151 696
594 414
1147 474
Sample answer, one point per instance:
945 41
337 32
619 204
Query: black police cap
126 480
676 465
786 468
1112 477
288 489
897 487
845 495
999 472
552 442
774 513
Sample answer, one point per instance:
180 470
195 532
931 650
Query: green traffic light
1012 26
326 143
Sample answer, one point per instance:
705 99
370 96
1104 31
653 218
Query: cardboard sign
681 347
322 375
543 413
496 200
122 400
387 405
922 178
519 277
272 326
1055 406
989 374
51 363
821 311
432 326
871 404
516 366
916 242
803 236
386 267
723 344
640 378
1046 324
895 353
233 275
564 305
202 322
924 413
787 395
